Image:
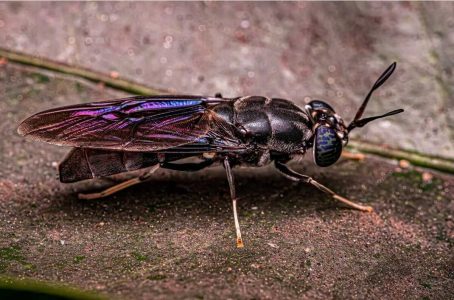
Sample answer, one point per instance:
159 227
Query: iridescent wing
133 124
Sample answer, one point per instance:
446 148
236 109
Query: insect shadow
202 194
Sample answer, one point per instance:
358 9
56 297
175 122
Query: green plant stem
116 83
417 159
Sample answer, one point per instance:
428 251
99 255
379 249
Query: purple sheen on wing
201 140
134 124
95 112
161 137
137 106
171 121
114 138
153 105
110 116
123 126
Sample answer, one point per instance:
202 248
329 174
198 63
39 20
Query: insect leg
292 175
228 169
120 186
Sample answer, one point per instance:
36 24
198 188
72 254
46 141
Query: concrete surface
300 51
174 238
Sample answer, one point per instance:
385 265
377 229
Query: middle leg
228 169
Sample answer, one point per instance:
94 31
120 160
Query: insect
143 132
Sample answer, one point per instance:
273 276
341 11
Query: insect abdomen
83 163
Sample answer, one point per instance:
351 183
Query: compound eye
327 146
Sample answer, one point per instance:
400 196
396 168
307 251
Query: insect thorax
275 125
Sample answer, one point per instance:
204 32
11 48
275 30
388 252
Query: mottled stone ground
174 238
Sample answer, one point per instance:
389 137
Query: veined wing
132 124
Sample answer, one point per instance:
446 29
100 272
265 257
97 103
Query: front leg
292 175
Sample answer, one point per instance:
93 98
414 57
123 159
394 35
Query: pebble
114 74
427 177
272 245
404 164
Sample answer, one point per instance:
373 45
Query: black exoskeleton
122 135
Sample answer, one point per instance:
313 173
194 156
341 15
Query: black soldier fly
122 135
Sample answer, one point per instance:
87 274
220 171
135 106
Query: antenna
357 122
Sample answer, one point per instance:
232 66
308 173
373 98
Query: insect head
330 131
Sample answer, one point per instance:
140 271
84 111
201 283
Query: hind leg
119 187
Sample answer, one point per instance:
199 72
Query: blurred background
299 51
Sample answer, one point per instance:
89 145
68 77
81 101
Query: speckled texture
299 51
174 238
